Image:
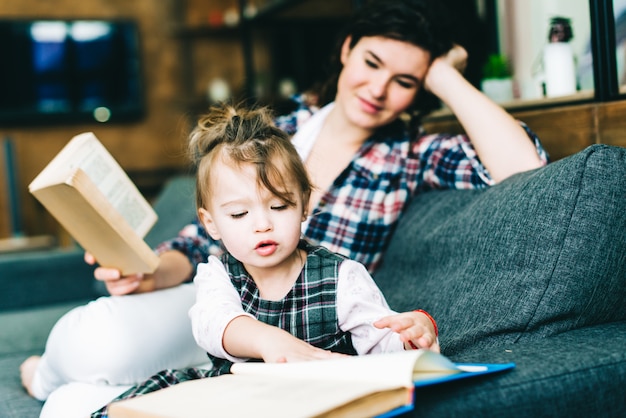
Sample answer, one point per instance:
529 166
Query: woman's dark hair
423 23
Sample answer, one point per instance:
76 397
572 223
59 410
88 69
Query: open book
355 386
92 197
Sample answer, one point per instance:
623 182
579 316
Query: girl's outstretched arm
246 337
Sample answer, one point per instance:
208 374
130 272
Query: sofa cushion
564 375
540 253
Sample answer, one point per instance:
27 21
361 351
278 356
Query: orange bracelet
413 346
431 320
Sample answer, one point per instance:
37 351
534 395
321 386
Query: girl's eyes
239 215
279 207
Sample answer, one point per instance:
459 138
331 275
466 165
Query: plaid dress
308 311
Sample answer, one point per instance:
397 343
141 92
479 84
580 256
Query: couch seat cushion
540 253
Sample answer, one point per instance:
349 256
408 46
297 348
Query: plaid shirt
358 213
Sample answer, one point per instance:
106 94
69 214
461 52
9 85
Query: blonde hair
242 135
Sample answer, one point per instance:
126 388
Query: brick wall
149 149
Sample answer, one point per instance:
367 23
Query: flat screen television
69 71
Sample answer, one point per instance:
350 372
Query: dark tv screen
69 71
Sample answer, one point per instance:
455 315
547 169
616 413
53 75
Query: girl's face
256 227
379 80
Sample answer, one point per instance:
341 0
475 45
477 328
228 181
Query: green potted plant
497 81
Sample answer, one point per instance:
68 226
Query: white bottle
558 60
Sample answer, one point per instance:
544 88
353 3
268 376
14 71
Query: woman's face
379 80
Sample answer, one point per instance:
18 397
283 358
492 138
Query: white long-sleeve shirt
359 303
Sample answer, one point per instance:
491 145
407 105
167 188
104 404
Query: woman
271 295
365 165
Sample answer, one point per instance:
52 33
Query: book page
352 386
399 368
263 397
85 152
117 189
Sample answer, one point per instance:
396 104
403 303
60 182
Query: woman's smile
369 107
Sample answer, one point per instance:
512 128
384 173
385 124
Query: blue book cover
465 370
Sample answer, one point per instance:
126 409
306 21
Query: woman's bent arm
501 143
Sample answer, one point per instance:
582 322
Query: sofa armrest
175 206
44 277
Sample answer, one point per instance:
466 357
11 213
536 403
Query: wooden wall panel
151 145
612 124
563 130
5 227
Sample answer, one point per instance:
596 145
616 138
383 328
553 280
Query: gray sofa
531 271
37 288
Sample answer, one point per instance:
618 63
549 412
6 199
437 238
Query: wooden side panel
612 123
563 131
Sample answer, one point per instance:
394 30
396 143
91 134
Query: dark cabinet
266 51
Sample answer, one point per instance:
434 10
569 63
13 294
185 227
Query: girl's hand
115 283
414 328
285 348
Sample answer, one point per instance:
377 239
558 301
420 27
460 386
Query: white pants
95 352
